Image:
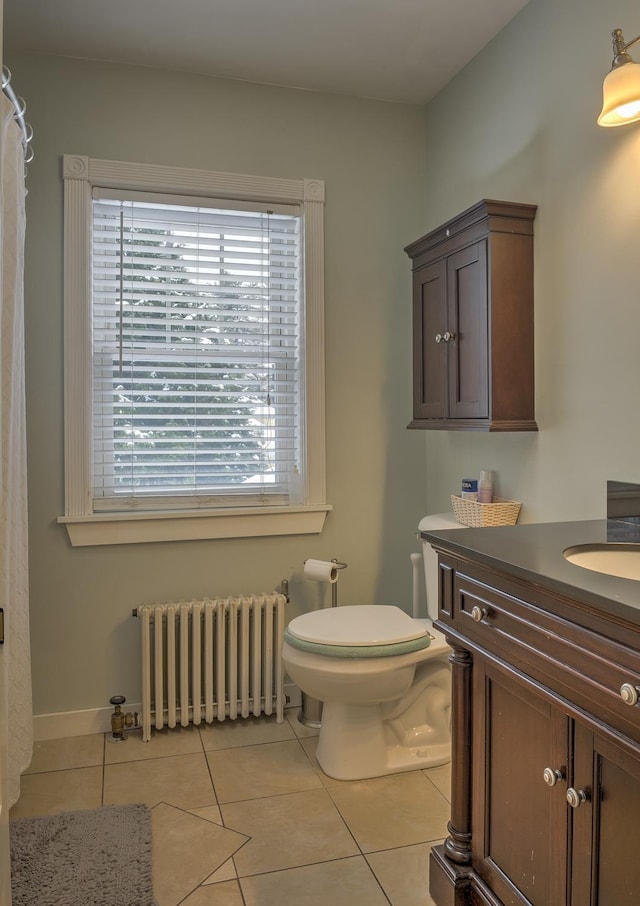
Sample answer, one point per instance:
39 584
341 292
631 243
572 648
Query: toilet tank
436 522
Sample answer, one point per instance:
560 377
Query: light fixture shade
621 96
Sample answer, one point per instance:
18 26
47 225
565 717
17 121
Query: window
194 375
196 317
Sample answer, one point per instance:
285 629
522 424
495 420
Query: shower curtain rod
20 108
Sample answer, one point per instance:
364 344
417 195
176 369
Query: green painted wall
519 123
371 156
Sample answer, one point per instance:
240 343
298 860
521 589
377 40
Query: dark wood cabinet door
430 353
519 824
468 321
605 861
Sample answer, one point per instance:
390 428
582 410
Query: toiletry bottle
485 486
469 489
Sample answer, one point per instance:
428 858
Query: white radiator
211 659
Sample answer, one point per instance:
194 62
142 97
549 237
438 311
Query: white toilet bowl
386 694
384 678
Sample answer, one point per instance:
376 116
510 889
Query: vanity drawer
580 664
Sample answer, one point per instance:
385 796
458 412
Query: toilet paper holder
325 571
334 588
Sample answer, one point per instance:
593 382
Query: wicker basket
500 512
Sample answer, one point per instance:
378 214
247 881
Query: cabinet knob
629 694
438 338
551 776
478 613
575 798
448 335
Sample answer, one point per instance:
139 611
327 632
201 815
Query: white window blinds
196 329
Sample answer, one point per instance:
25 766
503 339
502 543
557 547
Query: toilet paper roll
321 570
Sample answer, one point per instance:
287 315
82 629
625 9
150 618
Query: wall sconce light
621 88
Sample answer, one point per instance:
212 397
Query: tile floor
244 816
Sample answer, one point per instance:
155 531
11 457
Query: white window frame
86 527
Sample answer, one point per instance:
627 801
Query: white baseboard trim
75 723
62 724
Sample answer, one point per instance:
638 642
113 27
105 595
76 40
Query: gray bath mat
99 857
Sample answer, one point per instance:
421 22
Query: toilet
384 678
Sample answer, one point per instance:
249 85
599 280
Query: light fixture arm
620 48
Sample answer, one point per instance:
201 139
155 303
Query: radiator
211 660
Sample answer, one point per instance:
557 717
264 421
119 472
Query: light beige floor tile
441 778
300 729
71 752
265 770
224 894
178 741
404 874
295 835
209 813
181 780
186 851
226 872
250 731
348 882
310 744
287 831
59 791
397 810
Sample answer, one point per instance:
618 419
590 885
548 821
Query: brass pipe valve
120 720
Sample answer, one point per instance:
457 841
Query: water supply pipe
416 560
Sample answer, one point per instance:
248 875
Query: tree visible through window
196 349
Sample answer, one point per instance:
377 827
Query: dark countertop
534 552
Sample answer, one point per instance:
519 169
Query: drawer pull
575 798
629 694
478 613
551 777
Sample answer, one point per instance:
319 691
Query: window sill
249 522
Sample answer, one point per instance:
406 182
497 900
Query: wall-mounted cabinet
473 345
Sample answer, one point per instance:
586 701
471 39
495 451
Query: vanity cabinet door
519 823
605 868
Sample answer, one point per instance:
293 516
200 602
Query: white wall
371 155
520 124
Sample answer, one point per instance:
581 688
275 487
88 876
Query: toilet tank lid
357 625
438 521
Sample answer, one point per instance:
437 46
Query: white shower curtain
14 589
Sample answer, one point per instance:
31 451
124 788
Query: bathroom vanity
545 663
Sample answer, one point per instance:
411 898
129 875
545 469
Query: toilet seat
357 630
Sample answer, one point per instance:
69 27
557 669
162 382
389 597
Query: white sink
622 560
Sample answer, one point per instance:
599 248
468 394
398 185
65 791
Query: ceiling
394 50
